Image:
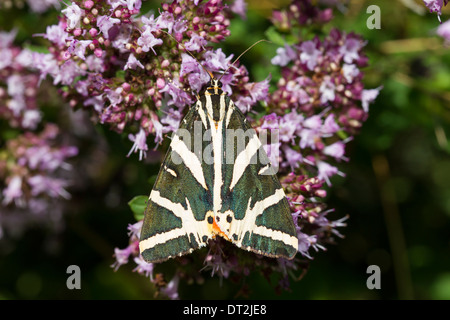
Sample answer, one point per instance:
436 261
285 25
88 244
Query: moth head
214 83
213 86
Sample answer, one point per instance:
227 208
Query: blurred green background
396 190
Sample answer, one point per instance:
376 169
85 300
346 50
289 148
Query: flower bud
88 4
93 32
160 83
98 52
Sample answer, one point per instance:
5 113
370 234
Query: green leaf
138 205
34 48
273 35
121 75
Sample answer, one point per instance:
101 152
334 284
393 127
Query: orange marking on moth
217 231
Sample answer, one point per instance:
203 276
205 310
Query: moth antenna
207 71
259 41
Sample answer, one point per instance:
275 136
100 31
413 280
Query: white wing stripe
216 136
240 227
243 159
189 224
190 160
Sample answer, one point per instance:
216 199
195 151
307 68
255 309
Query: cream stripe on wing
209 108
216 136
240 227
244 158
160 238
188 223
201 113
276 235
189 159
229 113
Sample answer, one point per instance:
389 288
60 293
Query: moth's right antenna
259 41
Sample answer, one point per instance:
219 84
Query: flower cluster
30 171
132 71
318 105
314 229
18 85
320 101
31 180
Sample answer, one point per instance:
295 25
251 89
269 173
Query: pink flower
6 58
79 48
68 72
239 7
216 60
140 144
335 150
133 63
196 76
258 90
179 97
143 267
284 56
73 14
134 230
53 187
31 119
298 94
171 290
350 71
368 96
310 54
13 190
289 124
444 31
326 171
436 6
271 122
147 40
57 34
293 158
122 256
329 126
15 85
6 38
40 6
133 4
150 22
105 23
166 21
196 43
350 49
273 153
327 89
304 243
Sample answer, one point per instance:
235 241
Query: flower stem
394 227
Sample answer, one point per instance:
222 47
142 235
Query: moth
216 181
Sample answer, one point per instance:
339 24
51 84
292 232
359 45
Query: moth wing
174 220
255 213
